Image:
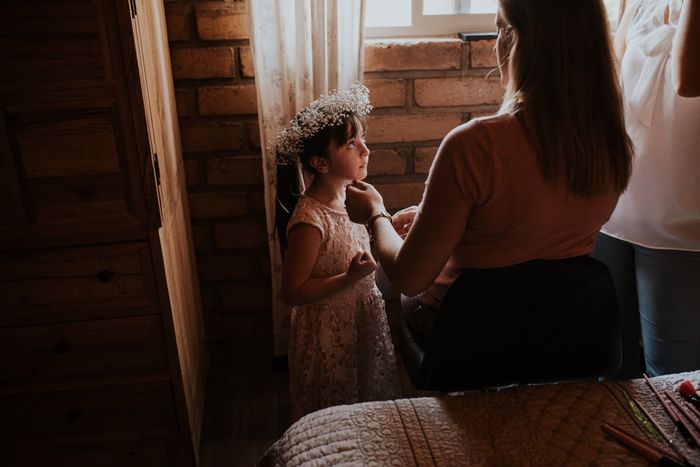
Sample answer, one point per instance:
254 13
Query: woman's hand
361 201
363 264
403 220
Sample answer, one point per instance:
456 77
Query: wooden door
74 159
176 245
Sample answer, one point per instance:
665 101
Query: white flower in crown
326 111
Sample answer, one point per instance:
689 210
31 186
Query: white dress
661 207
340 348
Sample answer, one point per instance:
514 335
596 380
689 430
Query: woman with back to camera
535 181
651 244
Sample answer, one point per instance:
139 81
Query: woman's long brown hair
563 87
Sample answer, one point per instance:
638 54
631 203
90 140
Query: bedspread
545 425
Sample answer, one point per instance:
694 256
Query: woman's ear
319 163
503 47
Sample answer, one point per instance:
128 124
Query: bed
553 424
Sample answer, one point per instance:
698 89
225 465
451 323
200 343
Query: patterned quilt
546 425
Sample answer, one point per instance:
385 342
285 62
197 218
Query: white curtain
302 49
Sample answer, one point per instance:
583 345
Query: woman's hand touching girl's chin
362 200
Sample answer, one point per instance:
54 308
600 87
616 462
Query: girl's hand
363 264
403 220
361 201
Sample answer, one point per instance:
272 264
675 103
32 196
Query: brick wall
420 90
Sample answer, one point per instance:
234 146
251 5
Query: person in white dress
340 349
651 244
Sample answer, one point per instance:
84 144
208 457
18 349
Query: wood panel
60 284
69 113
102 346
111 350
68 145
151 456
115 414
50 42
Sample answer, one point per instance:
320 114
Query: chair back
535 322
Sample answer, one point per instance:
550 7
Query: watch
374 217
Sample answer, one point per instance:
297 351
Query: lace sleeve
305 213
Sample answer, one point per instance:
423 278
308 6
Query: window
404 18
396 18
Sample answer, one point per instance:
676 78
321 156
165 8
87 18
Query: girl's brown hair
563 87
289 179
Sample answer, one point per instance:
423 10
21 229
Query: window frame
443 25
435 25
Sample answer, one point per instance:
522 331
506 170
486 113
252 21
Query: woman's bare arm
413 264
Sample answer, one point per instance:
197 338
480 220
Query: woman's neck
328 191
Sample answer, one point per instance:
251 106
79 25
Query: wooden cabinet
102 347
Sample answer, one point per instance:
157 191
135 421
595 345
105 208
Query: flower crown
326 111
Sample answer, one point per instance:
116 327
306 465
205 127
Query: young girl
340 349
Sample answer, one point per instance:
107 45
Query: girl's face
349 160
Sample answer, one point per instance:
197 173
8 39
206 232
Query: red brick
466 90
182 102
234 170
387 92
176 19
386 162
241 235
247 67
212 136
202 63
218 205
259 201
192 172
228 100
241 296
402 128
413 54
482 54
201 236
209 297
265 267
401 195
254 135
227 23
223 267
424 159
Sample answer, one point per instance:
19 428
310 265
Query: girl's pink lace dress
340 348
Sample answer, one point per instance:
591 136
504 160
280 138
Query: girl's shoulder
306 208
309 205
312 212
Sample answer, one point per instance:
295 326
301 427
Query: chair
535 322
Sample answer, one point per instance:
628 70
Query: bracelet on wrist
372 219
